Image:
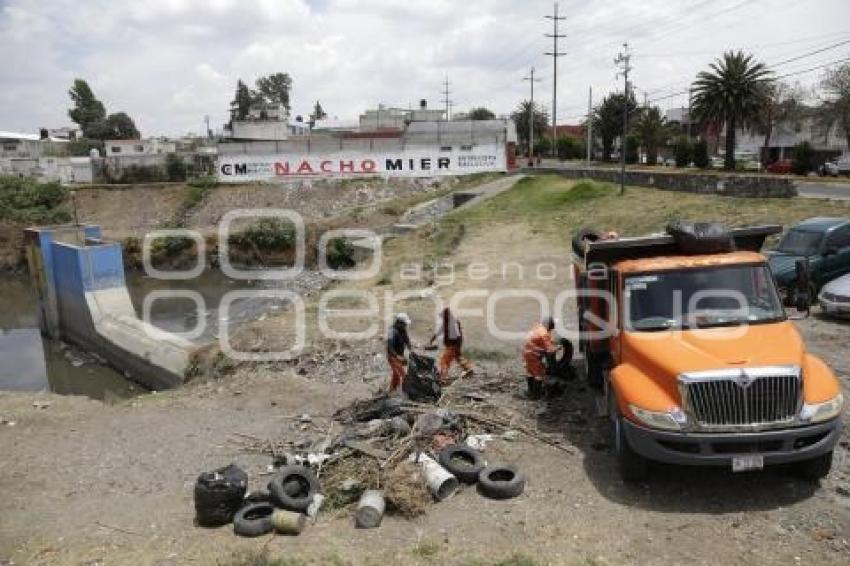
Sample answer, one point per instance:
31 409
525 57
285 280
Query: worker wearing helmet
538 345
397 342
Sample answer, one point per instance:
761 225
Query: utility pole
589 133
446 100
532 80
624 59
554 54
690 96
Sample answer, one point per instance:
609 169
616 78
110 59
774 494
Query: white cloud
170 62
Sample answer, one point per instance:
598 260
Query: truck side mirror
802 296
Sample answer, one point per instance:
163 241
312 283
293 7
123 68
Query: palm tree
732 92
653 131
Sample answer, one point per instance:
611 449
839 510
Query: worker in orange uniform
538 345
452 332
397 342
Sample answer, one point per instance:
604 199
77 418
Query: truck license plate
749 462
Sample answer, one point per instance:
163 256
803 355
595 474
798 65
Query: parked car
834 298
823 242
842 164
780 167
828 169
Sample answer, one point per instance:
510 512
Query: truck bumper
717 449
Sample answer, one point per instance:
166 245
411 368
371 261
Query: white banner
401 163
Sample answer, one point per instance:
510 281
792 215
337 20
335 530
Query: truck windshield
800 242
701 298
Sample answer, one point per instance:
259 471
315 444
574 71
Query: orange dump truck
686 335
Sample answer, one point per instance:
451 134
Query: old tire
814 469
463 462
254 520
218 495
633 467
286 496
501 482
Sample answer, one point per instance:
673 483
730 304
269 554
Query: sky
169 63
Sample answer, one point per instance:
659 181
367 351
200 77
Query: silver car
834 298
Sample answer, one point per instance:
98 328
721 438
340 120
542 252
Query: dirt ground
87 483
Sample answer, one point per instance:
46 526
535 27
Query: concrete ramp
83 299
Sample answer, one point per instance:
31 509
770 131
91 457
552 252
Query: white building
383 118
151 146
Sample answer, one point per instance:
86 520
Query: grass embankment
553 207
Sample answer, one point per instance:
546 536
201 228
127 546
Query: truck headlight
819 412
673 419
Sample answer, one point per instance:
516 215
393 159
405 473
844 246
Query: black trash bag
701 237
219 494
380 407
422 382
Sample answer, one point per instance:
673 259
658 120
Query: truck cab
688 340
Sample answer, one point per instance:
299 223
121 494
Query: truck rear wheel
633 466
814 469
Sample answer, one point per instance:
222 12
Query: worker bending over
397 342
538 345
452 332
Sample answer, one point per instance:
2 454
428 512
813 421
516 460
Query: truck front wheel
814 469
633 466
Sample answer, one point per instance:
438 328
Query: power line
555 54
815 52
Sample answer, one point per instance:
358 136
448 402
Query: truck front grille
742 398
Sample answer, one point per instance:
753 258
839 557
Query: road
821 189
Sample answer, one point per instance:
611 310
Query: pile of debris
389 454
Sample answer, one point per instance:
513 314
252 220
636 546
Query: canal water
31 362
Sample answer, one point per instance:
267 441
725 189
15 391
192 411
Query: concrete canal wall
83 299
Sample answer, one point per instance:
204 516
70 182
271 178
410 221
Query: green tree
803 158
520 118
87 110
682 151
653 131
700 154
835 111
317 114
732 92
275 88
608 120
122 127
242 101
481 113
782 103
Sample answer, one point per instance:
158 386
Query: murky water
29 361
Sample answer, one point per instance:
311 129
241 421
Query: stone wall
769 186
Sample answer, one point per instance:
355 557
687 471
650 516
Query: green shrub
803 158
175 167
204 182
340 254
26 200
700 154
569 147
543 146
136 174
682 152
267 234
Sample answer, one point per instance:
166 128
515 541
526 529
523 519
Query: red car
781 167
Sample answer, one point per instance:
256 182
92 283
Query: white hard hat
403 318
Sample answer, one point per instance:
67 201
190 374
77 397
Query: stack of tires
220 499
